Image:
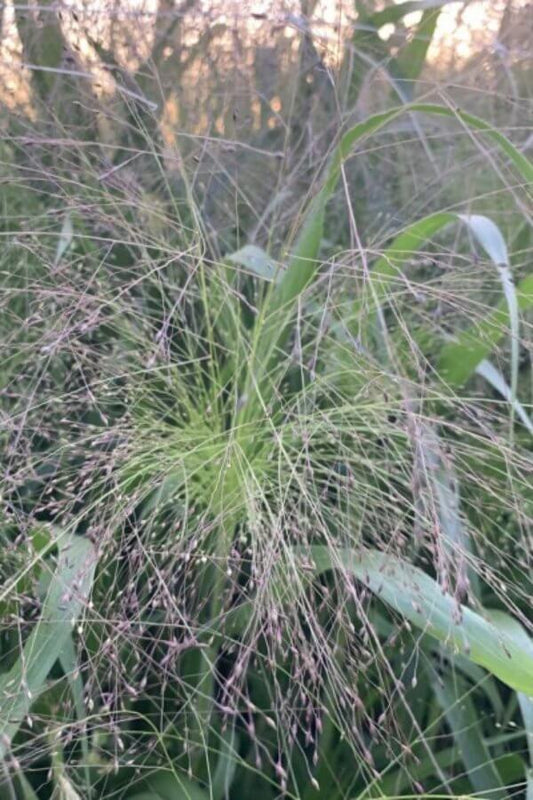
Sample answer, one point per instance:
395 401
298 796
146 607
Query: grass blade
461 716
438 504
411 59
226 765
274 323
393 14
493 376
69 589
492 241
166 785
69 664
419 599
511 627
25 790
64 788
404 246
65 239
458 360
255 260
302 267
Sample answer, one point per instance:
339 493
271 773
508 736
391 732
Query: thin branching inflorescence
266 406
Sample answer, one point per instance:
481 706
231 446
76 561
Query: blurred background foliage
241 101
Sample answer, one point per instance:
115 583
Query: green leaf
65 239
394 13
302 266
370 51
479 677
69 665
464 722
398 783
419 599
254 259
166 785
438 501
490 238
226 765
273 325
411 59
64 787
394 784
67 594
404 246
459 359
24 788
511 627
144 796
488 371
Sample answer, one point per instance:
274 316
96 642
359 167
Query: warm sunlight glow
462 30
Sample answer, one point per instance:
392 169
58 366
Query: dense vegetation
266 402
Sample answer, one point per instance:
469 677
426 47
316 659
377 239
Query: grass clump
267 511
